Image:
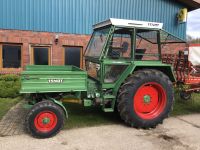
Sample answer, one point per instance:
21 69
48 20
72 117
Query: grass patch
182 107
80 116
6 104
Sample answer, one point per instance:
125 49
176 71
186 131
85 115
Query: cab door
119 56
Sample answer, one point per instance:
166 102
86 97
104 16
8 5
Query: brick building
56 32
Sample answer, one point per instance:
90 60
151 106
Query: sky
193 23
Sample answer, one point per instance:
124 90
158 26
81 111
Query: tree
190 39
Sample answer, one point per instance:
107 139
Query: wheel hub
46 120
147 99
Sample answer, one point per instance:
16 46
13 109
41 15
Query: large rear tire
45 119
145 99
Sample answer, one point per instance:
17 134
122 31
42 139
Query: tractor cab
119 45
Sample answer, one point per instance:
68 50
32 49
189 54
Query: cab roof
129 23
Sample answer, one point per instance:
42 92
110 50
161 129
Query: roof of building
192 4
129 23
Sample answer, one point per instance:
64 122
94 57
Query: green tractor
123 72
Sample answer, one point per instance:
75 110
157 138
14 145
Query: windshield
97 42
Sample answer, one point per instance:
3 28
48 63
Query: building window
73 56
40 55
10 55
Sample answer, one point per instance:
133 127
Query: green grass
80 116
6 104
182 107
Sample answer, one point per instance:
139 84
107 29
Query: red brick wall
28 38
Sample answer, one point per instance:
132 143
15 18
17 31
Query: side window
11 56
40 55
121 44
146 47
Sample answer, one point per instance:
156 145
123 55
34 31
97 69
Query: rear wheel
45 119
145 99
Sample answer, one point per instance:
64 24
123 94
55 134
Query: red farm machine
187 69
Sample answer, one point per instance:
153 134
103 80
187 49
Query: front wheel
45 119
145 99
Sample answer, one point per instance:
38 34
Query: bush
9 86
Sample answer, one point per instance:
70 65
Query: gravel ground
180 133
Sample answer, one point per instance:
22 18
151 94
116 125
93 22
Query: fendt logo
153 24
55 80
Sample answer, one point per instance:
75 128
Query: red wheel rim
150 100
45 121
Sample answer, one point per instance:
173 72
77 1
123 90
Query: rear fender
167 70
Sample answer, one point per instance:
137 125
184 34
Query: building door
73 56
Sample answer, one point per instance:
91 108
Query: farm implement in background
187 69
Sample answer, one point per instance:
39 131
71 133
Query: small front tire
45 119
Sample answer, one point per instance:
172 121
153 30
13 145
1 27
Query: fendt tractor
123 72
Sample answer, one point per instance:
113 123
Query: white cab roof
129 23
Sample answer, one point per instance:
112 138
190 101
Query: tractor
123 72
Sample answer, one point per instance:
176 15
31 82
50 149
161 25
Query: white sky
193 23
